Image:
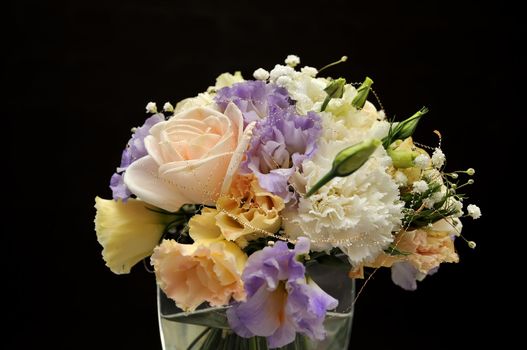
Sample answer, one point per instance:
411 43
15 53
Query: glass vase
207 327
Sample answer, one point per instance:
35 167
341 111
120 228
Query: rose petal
142 179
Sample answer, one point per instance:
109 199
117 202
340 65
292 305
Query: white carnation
357 213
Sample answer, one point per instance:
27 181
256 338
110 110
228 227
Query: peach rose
427 248
191 158
191 274
246 213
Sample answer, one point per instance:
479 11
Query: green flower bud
362 93
335 89
404 129
348 161
402 159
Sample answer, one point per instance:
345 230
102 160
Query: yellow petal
128 231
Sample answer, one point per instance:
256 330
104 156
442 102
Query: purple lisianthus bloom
280 144
135 149
280 300
253 98
405 275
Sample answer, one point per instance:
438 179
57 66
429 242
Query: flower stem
195 341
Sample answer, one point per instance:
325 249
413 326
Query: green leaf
391 250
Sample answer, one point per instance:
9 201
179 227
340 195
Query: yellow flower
127 231
247 213
208 270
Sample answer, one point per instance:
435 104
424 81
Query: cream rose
191 274
191 158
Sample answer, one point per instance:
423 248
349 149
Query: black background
78 75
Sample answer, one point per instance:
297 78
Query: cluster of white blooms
438 158
422 161
474 211
420 186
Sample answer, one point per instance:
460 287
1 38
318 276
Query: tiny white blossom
420 186
400 179
437 196
167 107
471 171
438 158
261 74
428 203
472 244
310 71
283 81
474 211
292 60
421 161
151 107
456 206
279 71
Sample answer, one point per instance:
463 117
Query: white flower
422 161
279 71
226 79
455 205
202 100
474 211
310 71
438 158
261 74
357 213
400 179
151 107
283 81
420 186
167 107
471 171
292 60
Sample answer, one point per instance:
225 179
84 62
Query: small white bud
167 107
292 60
151 107
261 74
472 244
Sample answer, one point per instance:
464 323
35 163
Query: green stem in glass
195 341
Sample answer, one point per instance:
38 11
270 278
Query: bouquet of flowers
235 192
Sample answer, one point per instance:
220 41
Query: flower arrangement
232 193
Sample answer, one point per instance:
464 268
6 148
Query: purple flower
280 144
405 275
253 98
280 301
135 149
